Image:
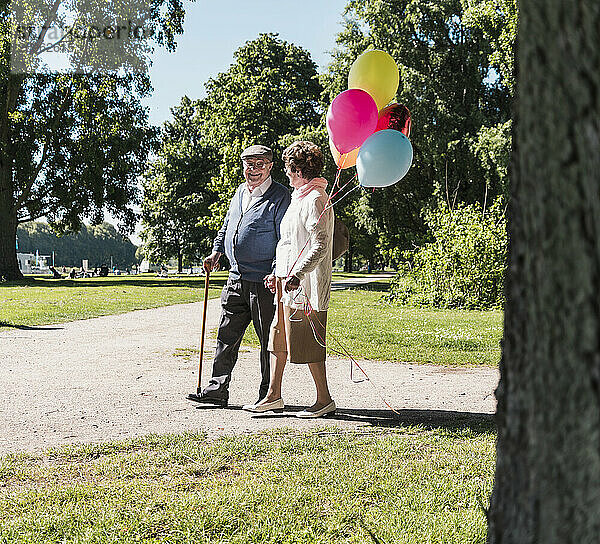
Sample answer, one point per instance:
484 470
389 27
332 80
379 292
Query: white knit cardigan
301 224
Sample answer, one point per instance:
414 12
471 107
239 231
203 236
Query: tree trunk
9 267
547 487
179 261
348 260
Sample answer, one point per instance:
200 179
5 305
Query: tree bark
348 259
547 486
9 267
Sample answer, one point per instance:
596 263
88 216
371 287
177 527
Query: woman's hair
304 157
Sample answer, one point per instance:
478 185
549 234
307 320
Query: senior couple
280 251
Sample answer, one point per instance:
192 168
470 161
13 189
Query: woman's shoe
329 409
260 407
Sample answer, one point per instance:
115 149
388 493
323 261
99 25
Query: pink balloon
351 119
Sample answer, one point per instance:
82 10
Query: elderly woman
302 281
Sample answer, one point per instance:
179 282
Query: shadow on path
28 328
428 419
381 287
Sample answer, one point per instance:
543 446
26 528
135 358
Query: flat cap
261 151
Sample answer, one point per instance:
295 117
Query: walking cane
206 280
193 396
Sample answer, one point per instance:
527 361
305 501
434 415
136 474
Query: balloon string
342 198
343 187
344 157
309 312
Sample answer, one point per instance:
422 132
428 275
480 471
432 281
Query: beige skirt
302 337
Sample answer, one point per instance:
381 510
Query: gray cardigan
249 239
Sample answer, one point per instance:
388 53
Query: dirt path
119 376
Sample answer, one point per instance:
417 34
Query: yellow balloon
346 160
377 73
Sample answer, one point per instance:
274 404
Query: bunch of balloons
364 130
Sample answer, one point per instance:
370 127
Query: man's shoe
260 407
207 399
329 409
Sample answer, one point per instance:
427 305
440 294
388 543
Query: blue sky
215 29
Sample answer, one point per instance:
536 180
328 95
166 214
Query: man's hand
211 263
291 284
270 282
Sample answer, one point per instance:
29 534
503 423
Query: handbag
341 239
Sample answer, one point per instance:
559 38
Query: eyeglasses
257 165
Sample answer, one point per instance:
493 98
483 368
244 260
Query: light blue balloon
384 158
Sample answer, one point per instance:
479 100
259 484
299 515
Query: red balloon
395 117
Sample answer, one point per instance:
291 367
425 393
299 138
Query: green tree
73 144
96 243
270 91
177 189
498 21
446 82
464 264
140 254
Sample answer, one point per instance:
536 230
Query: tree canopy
447 81
73 144
454 58
177 189
99 244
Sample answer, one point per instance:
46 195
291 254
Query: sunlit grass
372 329
410 485
358 319
41 301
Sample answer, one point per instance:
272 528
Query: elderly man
248 237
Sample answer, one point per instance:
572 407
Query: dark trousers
242 302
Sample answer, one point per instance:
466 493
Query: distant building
30 263
26 262
145 266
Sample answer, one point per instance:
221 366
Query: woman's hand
270 282
291 284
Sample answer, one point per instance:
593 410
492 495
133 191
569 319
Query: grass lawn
41 301
375 330
409 485
367 327
370 329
